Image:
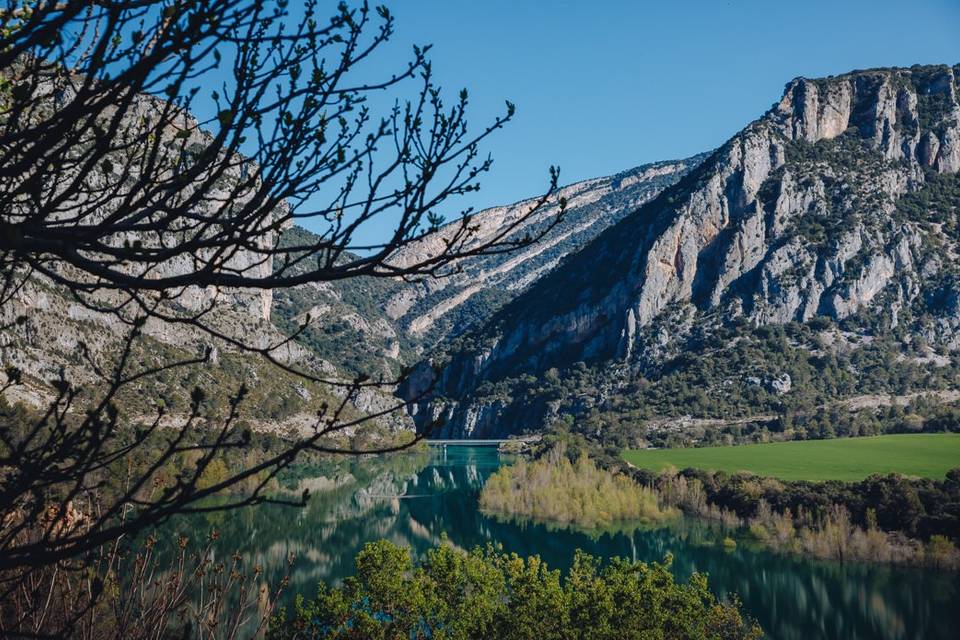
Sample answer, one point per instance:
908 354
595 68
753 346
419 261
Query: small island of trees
554 489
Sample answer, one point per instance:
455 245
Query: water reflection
414 501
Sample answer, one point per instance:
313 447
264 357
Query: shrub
490 594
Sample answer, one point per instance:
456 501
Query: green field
926 455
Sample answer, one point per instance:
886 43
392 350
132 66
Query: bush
490 594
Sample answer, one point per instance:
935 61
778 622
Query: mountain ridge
795 217
392 323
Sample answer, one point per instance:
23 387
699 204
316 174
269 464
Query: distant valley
368 325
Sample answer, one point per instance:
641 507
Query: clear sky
602 86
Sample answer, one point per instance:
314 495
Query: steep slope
362 325
50 333
835 212
367 325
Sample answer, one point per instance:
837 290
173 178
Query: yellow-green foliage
834 536
215 473
554 489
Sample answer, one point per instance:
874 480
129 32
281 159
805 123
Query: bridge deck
466 443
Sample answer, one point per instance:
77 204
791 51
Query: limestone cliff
802 214
373 326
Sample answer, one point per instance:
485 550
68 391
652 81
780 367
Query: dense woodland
881 519
913 507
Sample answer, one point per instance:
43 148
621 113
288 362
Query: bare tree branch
111 191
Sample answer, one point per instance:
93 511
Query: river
415 499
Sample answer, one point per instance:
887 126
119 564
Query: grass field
926 455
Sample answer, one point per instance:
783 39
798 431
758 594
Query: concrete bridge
465 443
479 442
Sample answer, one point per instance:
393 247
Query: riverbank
881 519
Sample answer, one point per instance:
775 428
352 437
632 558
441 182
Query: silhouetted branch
113 193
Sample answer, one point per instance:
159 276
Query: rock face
52 334
357 326
382 324
182 139
425 309
54 326
799 215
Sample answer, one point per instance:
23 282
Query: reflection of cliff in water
413 502
354 504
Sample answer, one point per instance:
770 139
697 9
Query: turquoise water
415 499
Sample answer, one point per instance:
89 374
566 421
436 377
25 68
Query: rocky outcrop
181 138
52 334
392 323
794 217
592 206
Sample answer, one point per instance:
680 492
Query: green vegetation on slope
850 459
554 489
348 325
724 373
490 594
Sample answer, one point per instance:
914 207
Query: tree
111 191
487 593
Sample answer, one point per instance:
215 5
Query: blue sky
604 86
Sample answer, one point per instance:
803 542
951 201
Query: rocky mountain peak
885 107
741 219
824 206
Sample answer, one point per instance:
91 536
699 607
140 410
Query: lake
415 499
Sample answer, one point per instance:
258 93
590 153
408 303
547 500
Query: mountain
367 325
809 259
361 325
51 333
